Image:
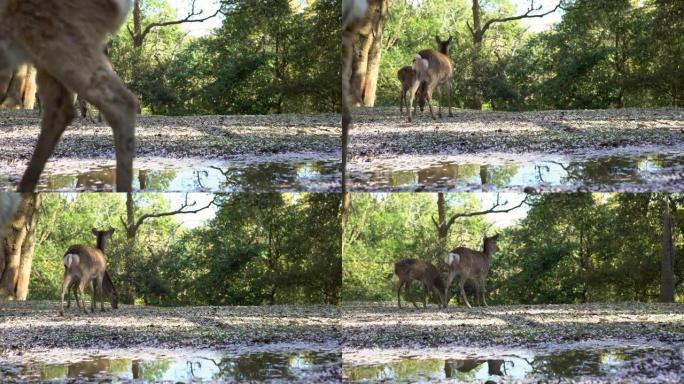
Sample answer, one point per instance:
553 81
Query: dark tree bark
16 255
667 277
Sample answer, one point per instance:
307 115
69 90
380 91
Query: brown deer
406 76
471 265
87 265
64 39
107 285
435 69
353 12
408 270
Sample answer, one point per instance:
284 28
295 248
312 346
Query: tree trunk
475 83
368 54
442 228
667 280
16 255
19 92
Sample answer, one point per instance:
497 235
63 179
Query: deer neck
101 240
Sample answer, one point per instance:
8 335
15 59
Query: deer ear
437 39
449 41
94 231
111 230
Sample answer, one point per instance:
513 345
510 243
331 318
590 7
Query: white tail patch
452 258
419 63
71 259
125 7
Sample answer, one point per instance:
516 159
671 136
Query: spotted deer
473 265
435 69
408 270
64 39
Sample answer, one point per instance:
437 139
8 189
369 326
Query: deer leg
100 288
449 90
412 97
483 290
58 113
425 295
439 98
65 288
447 289
399 284
407 292
402 100
89 75
461 284
428 98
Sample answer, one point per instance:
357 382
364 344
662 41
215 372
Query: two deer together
87 266
431 70
64 39
462 262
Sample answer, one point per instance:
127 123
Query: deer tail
71 259
452 258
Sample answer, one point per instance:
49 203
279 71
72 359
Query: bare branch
527 15
472 32
492 209
187 19
179 211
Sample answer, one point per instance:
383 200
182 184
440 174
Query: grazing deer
408 270
353 12
406 76
435 69
87 265
64 40
471 265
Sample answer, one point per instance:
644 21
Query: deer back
471 262
91 260
440 67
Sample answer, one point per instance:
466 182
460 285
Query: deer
107 285
64 39
471 265
353 13
435 69
406 75
87 265
408 270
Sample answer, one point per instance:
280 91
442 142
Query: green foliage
603 54
384 228
259 248
267 57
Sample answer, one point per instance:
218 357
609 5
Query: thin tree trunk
368 54
667 283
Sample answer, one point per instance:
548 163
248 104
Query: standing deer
64 39
353 12
471 265
435 69
406 76
87 265
408 270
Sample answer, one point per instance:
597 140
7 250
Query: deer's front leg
58 113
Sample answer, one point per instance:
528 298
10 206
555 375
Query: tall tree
667 275
16 254
368 53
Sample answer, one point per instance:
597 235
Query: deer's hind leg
483 291
58 112
461 285
65 288
399 285
99 288
81 290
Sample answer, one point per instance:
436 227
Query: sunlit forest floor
585 343
626 149
266 339
178 143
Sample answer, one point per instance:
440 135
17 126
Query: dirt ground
207 137
380 338
383 132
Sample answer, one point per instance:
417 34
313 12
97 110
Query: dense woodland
569 248
603 54
257 249
268 56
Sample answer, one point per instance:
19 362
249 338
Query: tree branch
179 211
492 209
186 19
527 15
